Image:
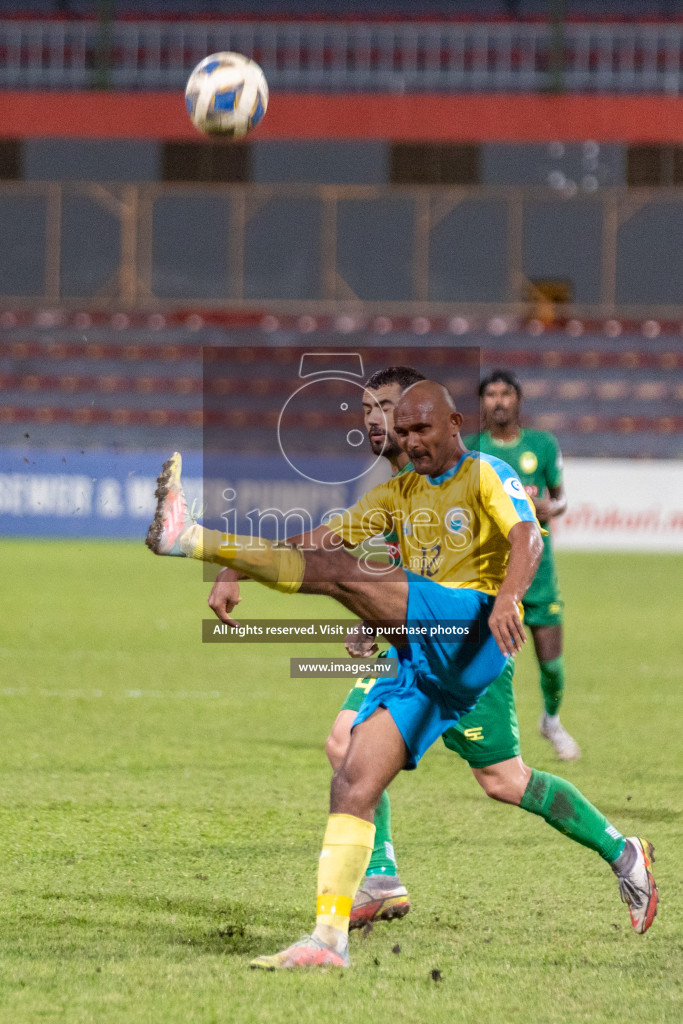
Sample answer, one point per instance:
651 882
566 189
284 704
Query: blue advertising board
45 493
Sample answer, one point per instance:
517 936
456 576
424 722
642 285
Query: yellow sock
346 851
277 566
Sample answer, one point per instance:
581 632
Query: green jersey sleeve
553 462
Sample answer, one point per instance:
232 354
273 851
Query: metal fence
364 56
321 248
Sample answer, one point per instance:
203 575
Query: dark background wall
403 8
563 210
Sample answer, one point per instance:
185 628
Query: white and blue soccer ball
226 94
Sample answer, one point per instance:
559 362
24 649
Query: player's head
382 392
427 425
500 395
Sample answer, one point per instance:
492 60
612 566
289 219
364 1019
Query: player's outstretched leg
283 567
174 531
636 882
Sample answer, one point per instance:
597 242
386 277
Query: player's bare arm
526 547
225 595
554 505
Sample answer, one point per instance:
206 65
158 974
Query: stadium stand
126 381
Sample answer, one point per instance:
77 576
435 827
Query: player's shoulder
401 486
538 438
405 480
496 476
491 465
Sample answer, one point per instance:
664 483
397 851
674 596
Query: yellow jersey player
467 520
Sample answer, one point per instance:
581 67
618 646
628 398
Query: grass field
163 802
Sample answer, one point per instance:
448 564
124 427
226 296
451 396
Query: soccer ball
226 94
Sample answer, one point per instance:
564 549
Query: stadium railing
349 56
395 250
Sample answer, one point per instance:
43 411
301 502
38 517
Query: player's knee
337 743
351 794
548 642
341 792
330 749
344 787
498 789
335 749
500 786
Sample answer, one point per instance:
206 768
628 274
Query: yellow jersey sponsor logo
476 733
528 462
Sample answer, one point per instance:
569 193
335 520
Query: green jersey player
536 457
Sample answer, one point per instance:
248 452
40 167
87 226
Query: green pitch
162 806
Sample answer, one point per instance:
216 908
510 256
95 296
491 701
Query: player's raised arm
526 547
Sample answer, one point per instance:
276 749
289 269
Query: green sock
552 683
383 859
570 813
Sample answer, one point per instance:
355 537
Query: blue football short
438 680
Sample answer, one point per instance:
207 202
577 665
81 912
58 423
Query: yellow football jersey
451 529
